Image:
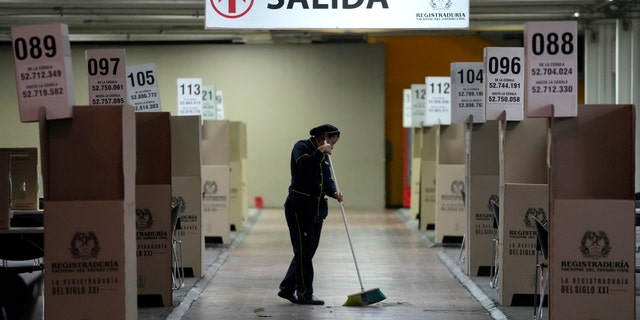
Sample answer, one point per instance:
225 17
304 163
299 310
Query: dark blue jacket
310 180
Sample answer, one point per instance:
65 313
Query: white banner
337 14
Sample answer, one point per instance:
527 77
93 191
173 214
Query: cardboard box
428 178
592 218
90 260
88 172
483 174
154 230
188 190
237 193
244 166
215 203
415 163
218 150
524 193
451 220
186 170
4 190
216 138
23 178
518 239
591 263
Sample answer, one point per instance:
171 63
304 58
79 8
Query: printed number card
467 92
219 105
407 121
142 88
418 101
551 52
438 102
189 96
504 85
209 103
44 75
106 70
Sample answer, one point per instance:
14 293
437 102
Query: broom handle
346 225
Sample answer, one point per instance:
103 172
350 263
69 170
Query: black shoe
311 300
289 296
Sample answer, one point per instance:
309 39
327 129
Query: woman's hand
338 196
325 148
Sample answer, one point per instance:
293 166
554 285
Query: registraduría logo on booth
84 245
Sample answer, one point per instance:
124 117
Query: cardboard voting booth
483 175
88 166
5 188
524 197
428 178
416 163
23 177
186 180
238 193
216 180
451 221
591 224
154 228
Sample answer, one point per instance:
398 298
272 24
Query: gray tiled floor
390 256
420 281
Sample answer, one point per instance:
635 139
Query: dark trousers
305 237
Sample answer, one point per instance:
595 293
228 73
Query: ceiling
183 20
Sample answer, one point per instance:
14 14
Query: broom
364 297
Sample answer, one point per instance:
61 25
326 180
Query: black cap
324 129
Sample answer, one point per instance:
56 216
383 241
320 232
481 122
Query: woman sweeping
306 208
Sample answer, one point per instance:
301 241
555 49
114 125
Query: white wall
280 91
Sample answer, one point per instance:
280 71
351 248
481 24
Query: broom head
365 298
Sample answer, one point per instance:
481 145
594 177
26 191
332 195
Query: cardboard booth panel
484 149
591 264
188 189
480 230
4 190
153 148
185 146
415 186
429 141
525 151
236 195
153 243
427 195
451 220
245 185
594 154
450 144
91 156
90 260
519 206
215 202
237 140
215 142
